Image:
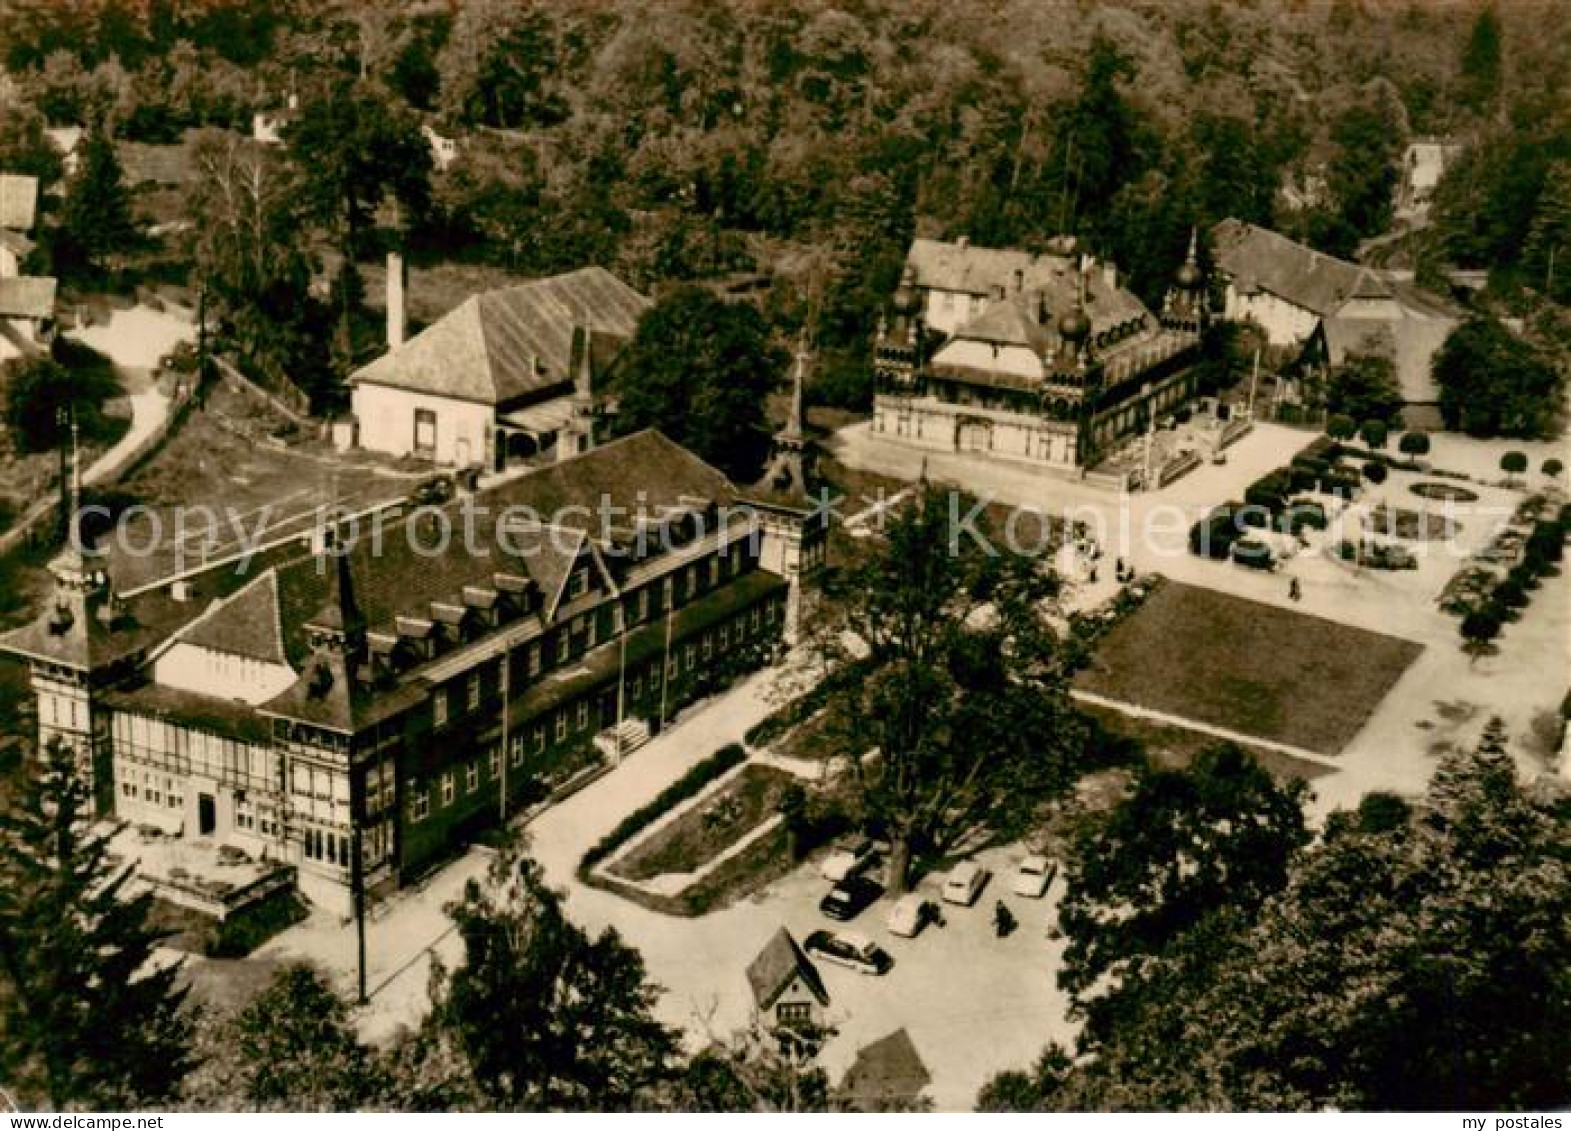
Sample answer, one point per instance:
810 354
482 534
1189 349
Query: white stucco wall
1284 323
221 675
947 311
387 423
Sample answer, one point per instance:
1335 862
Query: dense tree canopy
950 710
1492 383
1414 960
87 1018
699 369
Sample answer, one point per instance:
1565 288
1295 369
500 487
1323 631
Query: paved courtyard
1443 697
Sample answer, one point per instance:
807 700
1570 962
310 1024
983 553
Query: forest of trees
685 141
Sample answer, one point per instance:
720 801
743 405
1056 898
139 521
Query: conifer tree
96 218
88 1016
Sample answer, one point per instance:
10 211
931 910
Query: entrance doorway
206 814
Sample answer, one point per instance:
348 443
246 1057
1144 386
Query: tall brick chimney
397 283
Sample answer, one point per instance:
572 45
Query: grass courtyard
1260 670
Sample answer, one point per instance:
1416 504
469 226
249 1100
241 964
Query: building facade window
439 706
419 802
534 659
447 788
561 725
583 713
472 691
472 776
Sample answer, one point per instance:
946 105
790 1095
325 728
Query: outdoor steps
622 739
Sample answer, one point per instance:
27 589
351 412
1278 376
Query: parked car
965 882
849 898
1033 877
856 952
847 859
1254 554
910 914
1219 456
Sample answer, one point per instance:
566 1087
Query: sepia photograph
785 556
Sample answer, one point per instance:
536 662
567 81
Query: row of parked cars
847 866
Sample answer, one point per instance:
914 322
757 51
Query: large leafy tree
248 236
354 147
293 1047
1183 846
89 1015
699 369
540 1016
1493 383
1415 960
41 396
946 697
1364 387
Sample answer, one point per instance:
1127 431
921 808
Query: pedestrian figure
1294 593
1003 920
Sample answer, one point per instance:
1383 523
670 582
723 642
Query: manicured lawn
1175 747
1256 669
705 831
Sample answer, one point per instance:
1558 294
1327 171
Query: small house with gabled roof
787 988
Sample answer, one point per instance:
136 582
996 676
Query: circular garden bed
1444 491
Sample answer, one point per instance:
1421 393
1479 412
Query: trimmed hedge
728 757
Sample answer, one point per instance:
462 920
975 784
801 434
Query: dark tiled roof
1256 258
27 297
777 965
18 201
888 1071
502 345
245 625
401 575
1026 279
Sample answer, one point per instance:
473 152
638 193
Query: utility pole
621 676
1254 377
505 750
357 887
665 660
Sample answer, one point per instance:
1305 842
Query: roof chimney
397 281
1110 276
1020 279
963 242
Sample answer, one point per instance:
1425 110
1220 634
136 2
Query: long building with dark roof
1043 359
507 374
389 685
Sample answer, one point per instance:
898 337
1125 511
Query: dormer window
578 585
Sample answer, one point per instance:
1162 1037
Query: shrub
1375 471
1374 433
1270 490
1481 626
1302 478
1513 463
1511 593
1552 468
1213 536
1341 427
726 758
1414 443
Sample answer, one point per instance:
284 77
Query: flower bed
1444 492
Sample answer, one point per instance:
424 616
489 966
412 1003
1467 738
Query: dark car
849 898
857 952
1255 555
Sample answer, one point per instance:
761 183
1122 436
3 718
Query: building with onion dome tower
1041 359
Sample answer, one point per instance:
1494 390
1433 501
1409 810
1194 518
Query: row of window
582 632
578 716
154 789
327 846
